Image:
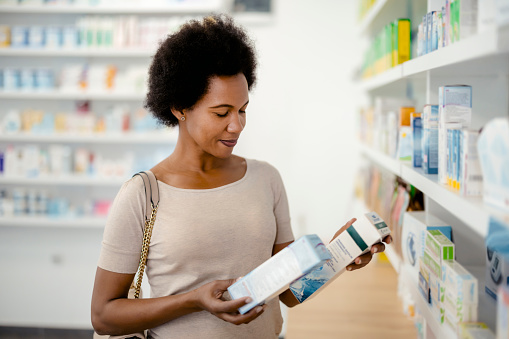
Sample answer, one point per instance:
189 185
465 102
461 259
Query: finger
377 248
230 305
224 284
363 259
238 319
388 239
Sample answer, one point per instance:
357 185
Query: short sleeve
281 210
123 233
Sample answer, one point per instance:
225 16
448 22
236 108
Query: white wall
301 116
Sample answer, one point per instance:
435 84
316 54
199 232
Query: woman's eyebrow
228 106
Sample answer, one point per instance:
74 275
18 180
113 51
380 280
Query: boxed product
431 264
402 29
355 241
470 174
474 330
275 275
413 235
459 294
455 106
503 312
497 257
430 139
463 19
416 124
493 150
439 246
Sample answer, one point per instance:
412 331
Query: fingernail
259 309
349 268
375 250
357 261
248 300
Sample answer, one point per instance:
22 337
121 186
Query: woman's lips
229 143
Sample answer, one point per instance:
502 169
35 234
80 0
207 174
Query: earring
183 118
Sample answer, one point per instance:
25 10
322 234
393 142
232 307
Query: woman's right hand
209 299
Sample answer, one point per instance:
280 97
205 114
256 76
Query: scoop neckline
205 190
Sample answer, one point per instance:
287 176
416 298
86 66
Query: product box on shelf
463 19
503 312
430 139
416 123
470 173
458 290
403 29
497 257
275 275
474 330
439 246
455 106
350 244
493 150
413 236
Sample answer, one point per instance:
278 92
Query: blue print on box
304 287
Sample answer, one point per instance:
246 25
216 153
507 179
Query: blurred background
346 107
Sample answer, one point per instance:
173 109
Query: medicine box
455 106
470 173
503 312
413 236
430 139
439 246
356 240
416 124
497 257
457 280
275 275
475 330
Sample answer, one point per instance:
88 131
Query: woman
219 215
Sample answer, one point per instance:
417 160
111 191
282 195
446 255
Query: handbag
152 201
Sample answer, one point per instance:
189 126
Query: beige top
201 235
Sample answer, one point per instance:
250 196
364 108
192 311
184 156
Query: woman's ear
177 114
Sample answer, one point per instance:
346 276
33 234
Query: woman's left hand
364 259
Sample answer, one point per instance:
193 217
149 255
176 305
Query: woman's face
214 124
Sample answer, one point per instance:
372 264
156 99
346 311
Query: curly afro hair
180 72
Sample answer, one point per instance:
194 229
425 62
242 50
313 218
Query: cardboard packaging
455 106
275 275
413 236
430 139
355 241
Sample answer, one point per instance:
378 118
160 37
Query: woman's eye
243 112
222 115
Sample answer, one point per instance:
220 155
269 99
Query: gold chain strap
147 234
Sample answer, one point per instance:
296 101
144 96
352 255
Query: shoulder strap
151 191
152 194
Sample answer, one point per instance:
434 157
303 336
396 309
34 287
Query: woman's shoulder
262 167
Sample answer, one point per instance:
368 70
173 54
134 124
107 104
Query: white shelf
56 95
370 16
489 43
78 52
393 257
471 210
44 221
129 138
63 180
183 8
382 79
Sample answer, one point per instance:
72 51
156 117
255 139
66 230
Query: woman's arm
114 314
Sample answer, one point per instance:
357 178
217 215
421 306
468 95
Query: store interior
350 105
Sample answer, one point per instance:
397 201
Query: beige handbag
152 194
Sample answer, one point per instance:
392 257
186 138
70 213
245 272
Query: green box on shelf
439 246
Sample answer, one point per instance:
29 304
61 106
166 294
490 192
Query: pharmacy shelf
187 7
56 95
78 52
69 180
44 221
471 210
485 44
129 138
370 16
